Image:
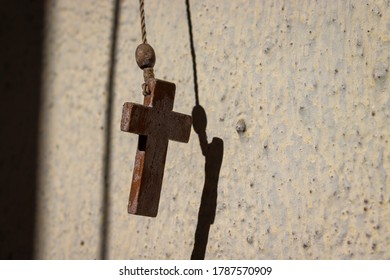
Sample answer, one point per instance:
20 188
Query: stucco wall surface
307 179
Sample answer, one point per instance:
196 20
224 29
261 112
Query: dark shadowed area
213 154
21 49
107 136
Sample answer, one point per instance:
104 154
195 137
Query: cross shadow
213 153
21 56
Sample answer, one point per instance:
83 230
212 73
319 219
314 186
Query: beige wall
307 179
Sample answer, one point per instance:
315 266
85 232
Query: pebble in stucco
241 126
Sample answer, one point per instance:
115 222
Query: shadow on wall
213 153
108 129
21 47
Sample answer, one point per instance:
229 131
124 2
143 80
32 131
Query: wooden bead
145 56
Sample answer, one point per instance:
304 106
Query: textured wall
307 179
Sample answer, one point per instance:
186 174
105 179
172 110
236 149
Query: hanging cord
144 54
143 26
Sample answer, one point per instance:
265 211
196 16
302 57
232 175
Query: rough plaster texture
307 179
76 60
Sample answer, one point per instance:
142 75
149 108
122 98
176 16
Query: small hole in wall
82 243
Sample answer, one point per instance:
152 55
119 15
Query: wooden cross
156 123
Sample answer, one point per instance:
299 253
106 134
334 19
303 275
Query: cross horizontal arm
180 127
141 119
136 118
